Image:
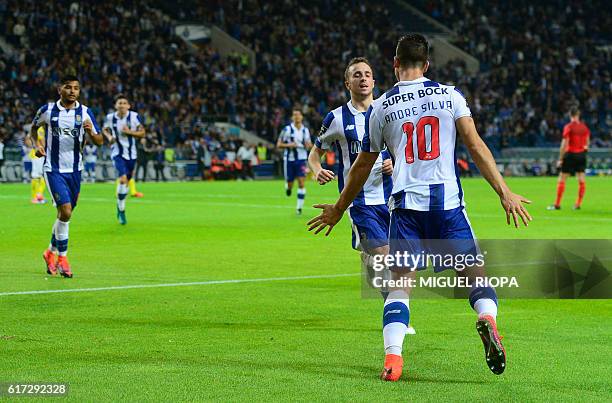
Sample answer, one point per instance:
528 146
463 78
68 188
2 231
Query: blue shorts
90 166
437 232
124 167
64 187
27 166
370 226
294 169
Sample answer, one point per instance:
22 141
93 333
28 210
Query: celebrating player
66 122
295 142
418 120
344 128
572 157
122 128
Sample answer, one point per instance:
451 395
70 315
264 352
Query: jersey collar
116 114
411 82
353 110
61 108
295 128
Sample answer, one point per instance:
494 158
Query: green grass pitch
292 339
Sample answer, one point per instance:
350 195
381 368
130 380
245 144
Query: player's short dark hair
297 108
412 50
354 61
121 96
66 78
574 111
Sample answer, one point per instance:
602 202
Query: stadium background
208 76
262 311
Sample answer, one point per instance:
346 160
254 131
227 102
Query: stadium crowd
518 98
536 60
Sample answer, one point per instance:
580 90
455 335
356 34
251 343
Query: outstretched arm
332 213
512 203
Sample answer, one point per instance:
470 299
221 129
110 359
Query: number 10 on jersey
423 153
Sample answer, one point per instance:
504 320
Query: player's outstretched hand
328 218
387 167
324 176
513 205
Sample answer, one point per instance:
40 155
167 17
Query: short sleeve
107 122
283 134
138 119
460 106
42 116
373 138
566 131
307 138
327 133
96 128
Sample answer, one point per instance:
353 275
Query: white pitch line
269 206
127 287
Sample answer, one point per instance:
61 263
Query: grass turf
282 340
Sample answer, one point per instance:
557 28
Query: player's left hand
328 218
387 167
88 126
513 205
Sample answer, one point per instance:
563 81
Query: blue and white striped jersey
301 136
344 127
64 135
124 146
416 121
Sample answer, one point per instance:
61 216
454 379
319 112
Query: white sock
486 306
394 331
301 195
122 192
61 236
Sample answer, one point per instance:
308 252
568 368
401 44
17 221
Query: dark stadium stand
519 96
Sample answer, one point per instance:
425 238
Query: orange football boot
49 258
393 368
64 267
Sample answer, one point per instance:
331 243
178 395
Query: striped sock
396 316
61 237
301 195
53 243
122 192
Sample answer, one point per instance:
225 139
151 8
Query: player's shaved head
412 51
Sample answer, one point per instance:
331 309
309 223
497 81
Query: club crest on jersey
78 119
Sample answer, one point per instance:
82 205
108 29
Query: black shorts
573 162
